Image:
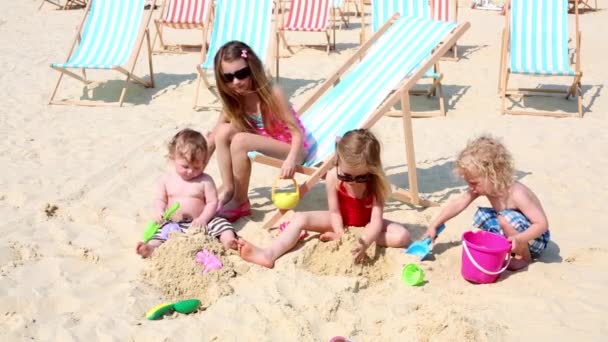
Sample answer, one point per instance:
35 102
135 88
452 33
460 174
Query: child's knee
239 144
404 238
222 133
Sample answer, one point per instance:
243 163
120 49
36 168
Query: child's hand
358 251
288 168
329 236
198 223
430 233
159 218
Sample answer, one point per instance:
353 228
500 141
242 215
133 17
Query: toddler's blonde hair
487 157
188 144
360 146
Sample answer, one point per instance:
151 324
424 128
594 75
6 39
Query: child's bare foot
254 254
144 249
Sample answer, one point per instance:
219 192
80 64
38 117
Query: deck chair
446 10
583 5
382 10
367 85
307 16
183 15
248 21
111 33
539 49
67 5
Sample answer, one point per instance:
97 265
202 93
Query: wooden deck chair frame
272 50
68 4
180 48
454 50
504 72
434 89
401 94
280 34
583 5
342 14
128 72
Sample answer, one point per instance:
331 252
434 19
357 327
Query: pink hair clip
244 53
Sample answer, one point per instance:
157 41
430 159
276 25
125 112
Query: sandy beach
77 187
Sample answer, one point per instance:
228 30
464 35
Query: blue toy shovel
423 248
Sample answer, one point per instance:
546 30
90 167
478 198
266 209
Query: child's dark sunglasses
239 74
345 177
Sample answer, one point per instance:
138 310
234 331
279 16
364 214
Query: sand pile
173 270
335 258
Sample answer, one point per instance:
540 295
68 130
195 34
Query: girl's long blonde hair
487 157
234 104
360 147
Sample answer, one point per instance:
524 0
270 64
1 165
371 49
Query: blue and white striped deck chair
250 22
535 42
382 10
388 66
110 34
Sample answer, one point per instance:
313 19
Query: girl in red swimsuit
356 190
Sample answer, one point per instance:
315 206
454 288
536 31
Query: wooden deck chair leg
505 82
150 58
198 87
328 41
158 35
56 87
282 36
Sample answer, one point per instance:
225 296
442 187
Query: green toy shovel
153 227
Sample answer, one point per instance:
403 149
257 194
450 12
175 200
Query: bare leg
241 144
228 239
393 235
146 249
520 248
223 135
317 221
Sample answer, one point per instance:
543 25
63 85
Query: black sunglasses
345 177
239 74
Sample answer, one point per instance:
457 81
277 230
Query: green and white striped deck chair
382 10
110 35
369 84
250 22
535 42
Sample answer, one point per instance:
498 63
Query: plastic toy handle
295 185
171 210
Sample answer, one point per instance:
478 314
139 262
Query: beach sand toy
153 227
422 248
412 275
485 256
285 200
208 260
185 307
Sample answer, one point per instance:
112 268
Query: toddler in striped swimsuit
193 189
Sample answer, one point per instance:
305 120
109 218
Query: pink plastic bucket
484 256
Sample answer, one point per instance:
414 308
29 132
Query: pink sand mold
208 260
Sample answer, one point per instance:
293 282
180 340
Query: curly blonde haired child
487 167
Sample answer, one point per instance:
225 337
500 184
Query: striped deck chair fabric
244 20
539 37
308 15
396 55
186 14
383 10
108 36
443 10
536 43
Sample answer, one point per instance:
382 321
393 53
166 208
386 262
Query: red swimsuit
356 212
